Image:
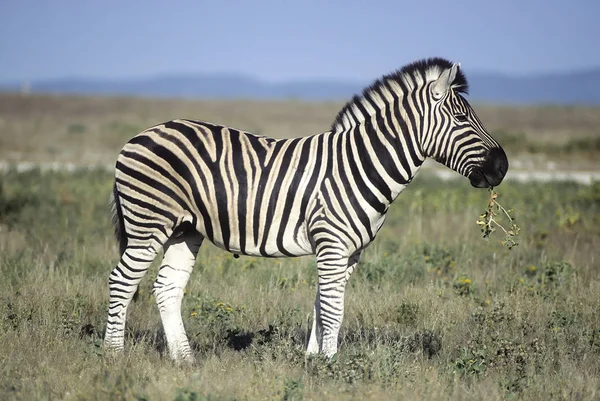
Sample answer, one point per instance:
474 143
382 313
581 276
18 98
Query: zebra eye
461 118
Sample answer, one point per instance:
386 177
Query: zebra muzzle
492 171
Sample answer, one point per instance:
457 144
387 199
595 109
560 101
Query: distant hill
581 87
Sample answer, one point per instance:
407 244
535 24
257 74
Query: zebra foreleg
334 273
316 333
122 284
173 275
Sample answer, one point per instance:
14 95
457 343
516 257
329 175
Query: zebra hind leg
122 284
173 275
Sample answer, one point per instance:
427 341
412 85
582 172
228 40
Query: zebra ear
444 82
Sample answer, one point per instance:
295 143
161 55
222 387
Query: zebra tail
117 220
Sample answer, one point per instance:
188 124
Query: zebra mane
411 76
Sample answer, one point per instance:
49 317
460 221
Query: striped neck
382 137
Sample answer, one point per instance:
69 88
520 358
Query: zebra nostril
501 170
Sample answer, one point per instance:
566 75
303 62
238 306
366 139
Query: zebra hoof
112 347
183 359
185 362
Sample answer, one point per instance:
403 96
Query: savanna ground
433 311
91 130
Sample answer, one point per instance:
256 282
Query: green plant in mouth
492 218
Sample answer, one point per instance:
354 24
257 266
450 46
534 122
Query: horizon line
258 78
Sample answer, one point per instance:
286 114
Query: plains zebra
325 195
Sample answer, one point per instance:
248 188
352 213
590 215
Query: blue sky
280 40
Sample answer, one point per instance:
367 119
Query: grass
433 311
93 129
520 142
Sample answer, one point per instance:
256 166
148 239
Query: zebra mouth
479 180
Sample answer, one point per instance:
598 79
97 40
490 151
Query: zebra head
454 135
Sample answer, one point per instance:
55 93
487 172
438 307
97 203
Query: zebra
327 195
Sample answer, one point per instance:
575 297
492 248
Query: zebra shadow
427 342
152 338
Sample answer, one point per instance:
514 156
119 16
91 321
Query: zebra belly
290 245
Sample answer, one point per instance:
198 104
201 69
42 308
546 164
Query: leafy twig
491 219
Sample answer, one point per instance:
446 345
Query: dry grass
93 129
433 311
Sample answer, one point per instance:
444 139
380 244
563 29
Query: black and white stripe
184 181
